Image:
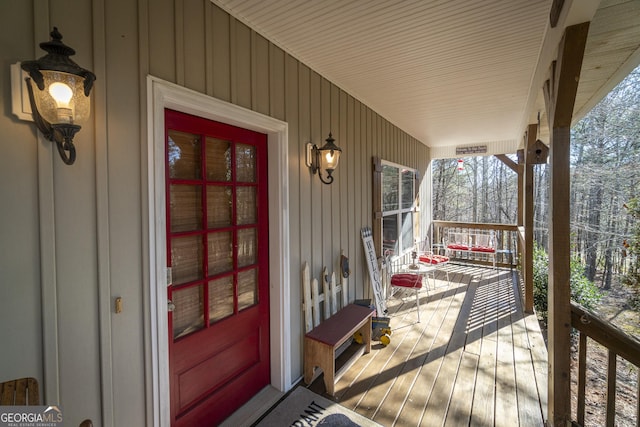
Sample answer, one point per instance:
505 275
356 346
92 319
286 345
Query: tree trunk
607 269
594 205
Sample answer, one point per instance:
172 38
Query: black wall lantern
325 158
60 97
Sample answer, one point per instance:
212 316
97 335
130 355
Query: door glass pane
218 206
187 315
185 208
407 188
247 246
247 288
220 252
186 259
246 205
220 298
245 163
390 194
218 153
184 155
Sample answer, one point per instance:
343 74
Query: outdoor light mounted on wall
323 159
59 94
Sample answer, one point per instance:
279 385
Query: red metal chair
401 279
426 256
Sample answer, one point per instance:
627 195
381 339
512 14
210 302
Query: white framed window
398 199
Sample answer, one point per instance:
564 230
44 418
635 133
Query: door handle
170 306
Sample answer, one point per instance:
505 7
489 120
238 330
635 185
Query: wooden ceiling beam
554 14
507 161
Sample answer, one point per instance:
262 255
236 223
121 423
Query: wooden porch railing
618 343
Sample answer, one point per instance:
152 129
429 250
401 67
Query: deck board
530 412
483 410
413 409
394 402
459 413
405 346
474 359
506 397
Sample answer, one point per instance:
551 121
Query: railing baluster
611 389
618 343
638 402
582 377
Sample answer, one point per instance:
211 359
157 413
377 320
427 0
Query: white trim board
161 95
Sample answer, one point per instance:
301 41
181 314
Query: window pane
246 205
245 163
185 207
407 230
220 298
186 259
407 189
247 245
187 316
390 233
220 248
247 288
218 153
184 155
218 206
390 195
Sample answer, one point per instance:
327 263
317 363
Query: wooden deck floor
474 359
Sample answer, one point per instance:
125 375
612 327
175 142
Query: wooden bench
321 343
330 323
23 391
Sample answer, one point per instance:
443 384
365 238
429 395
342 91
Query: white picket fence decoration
312 296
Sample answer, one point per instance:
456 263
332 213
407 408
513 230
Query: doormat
304 408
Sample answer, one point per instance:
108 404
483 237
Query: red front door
217 248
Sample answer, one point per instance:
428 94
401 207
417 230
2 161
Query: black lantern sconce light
324 159
58 94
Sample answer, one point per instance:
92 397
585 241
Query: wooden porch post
560 92
520 190
527 265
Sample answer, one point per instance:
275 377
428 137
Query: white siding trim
103 219
161 95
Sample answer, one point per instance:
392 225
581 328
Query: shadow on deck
474 359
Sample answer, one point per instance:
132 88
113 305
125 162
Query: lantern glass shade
62 101
329 159
324 160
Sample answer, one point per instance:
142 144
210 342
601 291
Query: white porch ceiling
455 72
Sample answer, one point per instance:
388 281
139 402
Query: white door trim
160 95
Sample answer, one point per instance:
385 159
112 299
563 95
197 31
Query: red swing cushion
407 280
482 249
458 247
